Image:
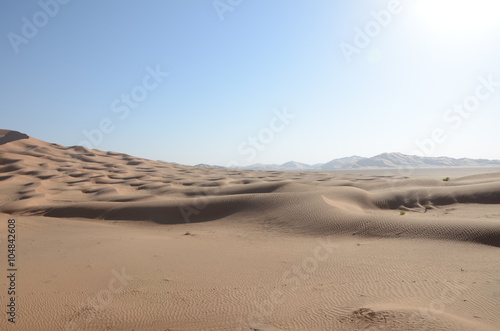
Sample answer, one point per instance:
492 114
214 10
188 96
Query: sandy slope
109 241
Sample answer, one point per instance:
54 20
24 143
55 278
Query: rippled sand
108 241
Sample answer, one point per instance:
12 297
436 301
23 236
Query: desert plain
109 241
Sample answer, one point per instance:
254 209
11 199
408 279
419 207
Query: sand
108 241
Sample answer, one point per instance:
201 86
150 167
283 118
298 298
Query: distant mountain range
382 161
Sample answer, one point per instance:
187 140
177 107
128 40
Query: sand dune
246 230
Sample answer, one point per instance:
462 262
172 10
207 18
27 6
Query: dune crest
73 182
201 248
7 136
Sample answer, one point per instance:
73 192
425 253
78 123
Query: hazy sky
241 82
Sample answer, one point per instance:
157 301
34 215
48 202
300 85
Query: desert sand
108 241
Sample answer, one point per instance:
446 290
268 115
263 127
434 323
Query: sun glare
461 18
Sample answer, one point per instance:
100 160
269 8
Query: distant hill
203 165
342 162
381 161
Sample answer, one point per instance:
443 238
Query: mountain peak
392 160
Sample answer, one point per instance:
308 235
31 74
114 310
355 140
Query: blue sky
240 82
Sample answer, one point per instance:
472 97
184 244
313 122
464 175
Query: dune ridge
220 249
72 182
